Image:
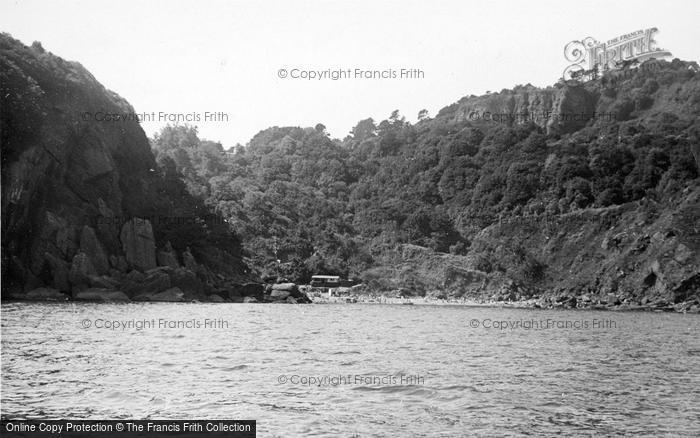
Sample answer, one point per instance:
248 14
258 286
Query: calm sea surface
357 370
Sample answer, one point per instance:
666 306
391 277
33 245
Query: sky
187 58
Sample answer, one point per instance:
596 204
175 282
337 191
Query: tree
364 129
578 192
522 183
396 118
175 137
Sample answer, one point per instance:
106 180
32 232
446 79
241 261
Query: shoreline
526 304
321 299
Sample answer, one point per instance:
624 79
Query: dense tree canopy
304 203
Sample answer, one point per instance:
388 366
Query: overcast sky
225 56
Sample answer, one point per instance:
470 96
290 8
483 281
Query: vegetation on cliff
492 180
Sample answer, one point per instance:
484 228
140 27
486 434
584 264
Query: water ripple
642 379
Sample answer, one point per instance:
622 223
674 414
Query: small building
325 281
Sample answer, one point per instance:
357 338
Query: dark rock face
78 191
62 169
59 270
91 246
239 291
81 270
186 280
167 257
155 281
548 108
214 298
139 244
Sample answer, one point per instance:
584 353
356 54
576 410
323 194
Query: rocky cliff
81 196
563 108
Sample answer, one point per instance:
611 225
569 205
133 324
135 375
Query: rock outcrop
139 244
562 109
167 257
93 249
551 108
286 293
79 193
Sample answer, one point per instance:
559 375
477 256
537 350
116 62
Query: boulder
250 300
232 293
139 244
153 282
101 295
135 276
81 269
174 294
253 289
116 274
91 246
45 294
216 298
256 290
186 280
132 282
284 287
118 263
278 295
291 300
156 282
189 261
167 257
304 299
